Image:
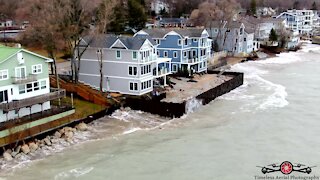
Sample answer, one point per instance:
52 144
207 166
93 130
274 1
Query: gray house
129 64
232 36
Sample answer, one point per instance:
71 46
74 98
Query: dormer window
186 42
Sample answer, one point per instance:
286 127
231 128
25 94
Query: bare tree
45 30
104 17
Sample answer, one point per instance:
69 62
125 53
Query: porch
28 102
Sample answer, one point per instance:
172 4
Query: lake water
273 117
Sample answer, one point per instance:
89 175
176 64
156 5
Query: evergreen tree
273 35
253 7
314 6
119 20
137 17
296 4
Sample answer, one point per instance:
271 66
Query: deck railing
18 104
24 80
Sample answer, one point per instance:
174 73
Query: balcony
18 104
162 72
24 80
153 57
194 60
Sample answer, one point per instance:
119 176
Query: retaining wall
155 106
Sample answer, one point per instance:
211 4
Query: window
36 86
146 85
158 53
3 75
118 54
175 54
29 87
174 67
185 54
133 70
22 89
165 54
244 39
21 72
43 84
3 96
133 86
179 42
215 30
195 40
186 42
134 55
37 69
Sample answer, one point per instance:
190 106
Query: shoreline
71 145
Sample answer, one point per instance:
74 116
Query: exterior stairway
82 90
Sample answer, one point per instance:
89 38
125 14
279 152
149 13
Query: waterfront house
263 27
129 65
299 20
173 23
24 84
189 49
232 36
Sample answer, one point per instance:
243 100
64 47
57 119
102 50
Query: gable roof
107 41
159 33
7 52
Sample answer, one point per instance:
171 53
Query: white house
299 20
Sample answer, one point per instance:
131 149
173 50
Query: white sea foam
132 130
77 172
193 104
277 98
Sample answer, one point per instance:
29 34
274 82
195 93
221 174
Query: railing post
72 100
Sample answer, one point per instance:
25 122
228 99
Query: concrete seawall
176 110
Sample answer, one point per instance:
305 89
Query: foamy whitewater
273 117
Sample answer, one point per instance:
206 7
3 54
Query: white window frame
164 54
16 72
134 52
117 54
195 40
134 73
185 54
43 84
179 42
175 54
24 89
36 68
3 73
134 84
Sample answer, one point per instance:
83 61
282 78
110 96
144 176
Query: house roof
107 41
161 32
173 20
231 24
6 52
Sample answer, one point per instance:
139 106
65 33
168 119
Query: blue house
189 49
